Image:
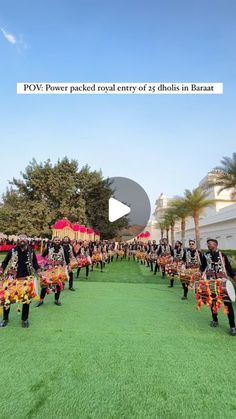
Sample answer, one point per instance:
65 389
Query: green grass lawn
122 346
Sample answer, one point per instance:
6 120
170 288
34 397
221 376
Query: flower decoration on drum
140 255
173 268
96 258
20 290
213 292
189 275
121 253
54 276
83 261
164 260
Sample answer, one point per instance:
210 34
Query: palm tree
225 175
167 228
182 212
161 225
164 225
170 218
196 201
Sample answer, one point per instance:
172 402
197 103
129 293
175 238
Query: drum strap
223 263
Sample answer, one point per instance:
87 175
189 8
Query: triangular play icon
117 210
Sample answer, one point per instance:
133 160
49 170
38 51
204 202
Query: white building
217 221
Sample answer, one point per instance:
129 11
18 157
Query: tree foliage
47 192
225 175
196 201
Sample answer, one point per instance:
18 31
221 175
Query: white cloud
9 36
18 41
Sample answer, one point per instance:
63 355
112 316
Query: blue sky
166 143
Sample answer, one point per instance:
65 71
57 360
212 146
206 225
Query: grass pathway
122 346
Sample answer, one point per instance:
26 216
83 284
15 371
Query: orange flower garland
17 291
209 292
53 276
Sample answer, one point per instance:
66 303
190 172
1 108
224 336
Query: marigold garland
17 291
85 261
211 293
96 257
53 278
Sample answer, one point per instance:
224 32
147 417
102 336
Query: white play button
117 210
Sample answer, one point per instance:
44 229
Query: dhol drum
20 290
83 261
189 275
96 258
140 255
164 260
214 289
173 268
54 276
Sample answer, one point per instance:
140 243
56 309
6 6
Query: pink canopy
76 227
60 224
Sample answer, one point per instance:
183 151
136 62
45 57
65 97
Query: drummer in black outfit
215 264
69 253
26 263
192 260
177 254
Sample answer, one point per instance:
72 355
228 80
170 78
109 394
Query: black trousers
71 279
44 292
102 264
185 288
171 282
24 315
157 268
87 271
230 314
163 270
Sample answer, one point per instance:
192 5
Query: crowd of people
62 259
7 243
